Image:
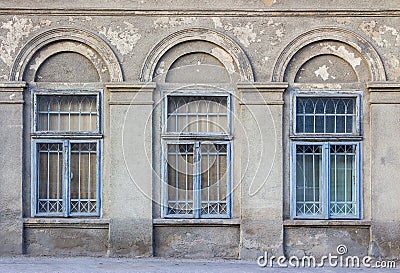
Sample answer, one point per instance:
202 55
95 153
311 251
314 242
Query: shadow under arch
108 66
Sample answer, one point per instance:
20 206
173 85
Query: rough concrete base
320 241
196 242
66 241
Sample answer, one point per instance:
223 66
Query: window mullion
197 180
326 176
66 178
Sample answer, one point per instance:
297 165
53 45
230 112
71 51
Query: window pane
63 113
197 114
308 179
343 180
83 178
180 170
214 179
325 115
50 158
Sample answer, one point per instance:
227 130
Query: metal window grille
197 156
198 114
67 113
67 178
66 156
308 179
198 178
322 115
342 180
326 175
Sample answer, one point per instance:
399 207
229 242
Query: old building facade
207 129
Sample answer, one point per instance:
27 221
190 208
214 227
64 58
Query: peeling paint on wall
322 72
343 20
278 30
269 2
217 22
167 22
383 35
245 34
16 29
123 38
345 54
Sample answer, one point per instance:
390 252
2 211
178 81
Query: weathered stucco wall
258 51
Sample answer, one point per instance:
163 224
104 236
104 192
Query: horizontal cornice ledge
14 86
256 12
262 86
196 222
383 86
131 87
66 223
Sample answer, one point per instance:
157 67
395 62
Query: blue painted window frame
325 141
66 138
190 138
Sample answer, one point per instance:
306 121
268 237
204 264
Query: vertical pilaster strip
261 161
383 181
11 167
129 149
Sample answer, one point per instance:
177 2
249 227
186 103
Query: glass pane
214 179
308 179
83 178
325 115
180 170
343 180
63 113
50 160
197 114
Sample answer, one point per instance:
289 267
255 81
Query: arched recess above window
329 55
79 50
197 55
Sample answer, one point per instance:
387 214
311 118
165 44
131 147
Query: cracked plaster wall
263 38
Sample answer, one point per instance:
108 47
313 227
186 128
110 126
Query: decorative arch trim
84 37
350 38
197 34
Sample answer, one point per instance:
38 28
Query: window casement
196 161
325 155
66 153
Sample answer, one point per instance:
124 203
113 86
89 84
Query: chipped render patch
279 32
343 20
217 22
16 30
269 2
322 72
347 55
245 34
381 34
167 22
123 38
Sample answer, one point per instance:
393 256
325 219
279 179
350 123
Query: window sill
326 223
66 223
196 222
